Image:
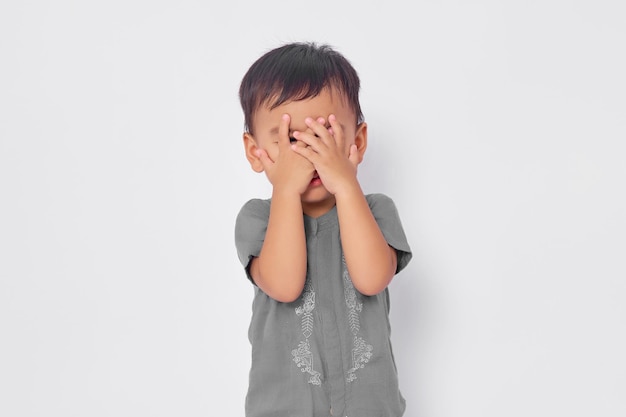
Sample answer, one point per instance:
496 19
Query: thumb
354 155
265 159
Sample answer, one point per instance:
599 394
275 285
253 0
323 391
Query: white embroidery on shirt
302 356
361 351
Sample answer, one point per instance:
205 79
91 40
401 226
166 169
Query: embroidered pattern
302 356
361 351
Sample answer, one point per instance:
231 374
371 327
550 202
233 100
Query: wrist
348 189
285 193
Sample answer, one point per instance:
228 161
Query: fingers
316 136
335 130
306 152
318 127
309 140
320 135
283 131
354 155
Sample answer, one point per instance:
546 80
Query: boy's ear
360 140
251 148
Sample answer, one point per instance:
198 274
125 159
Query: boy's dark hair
297 71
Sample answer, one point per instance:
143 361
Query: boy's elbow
373 285
284 292
370 291
374 281
286 295
287 298
275 286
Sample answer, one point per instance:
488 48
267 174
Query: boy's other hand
286 170
335 161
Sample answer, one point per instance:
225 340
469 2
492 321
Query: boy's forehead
321 105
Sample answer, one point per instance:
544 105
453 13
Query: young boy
319 252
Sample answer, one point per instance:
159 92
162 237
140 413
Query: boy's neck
318 208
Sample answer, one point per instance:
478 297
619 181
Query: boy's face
316 199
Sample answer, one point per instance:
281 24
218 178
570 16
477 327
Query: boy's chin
316 193
317 201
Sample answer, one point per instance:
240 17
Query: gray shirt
328 353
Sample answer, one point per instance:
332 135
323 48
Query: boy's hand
326 150
290 172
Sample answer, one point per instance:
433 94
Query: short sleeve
250 228
388 219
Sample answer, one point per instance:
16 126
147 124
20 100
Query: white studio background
497 127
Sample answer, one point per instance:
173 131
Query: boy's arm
280 269
370 260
